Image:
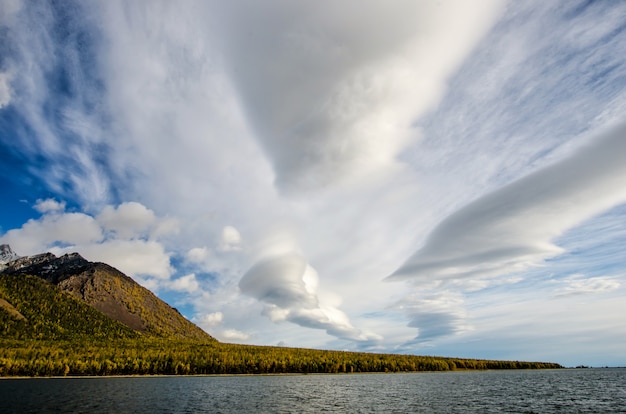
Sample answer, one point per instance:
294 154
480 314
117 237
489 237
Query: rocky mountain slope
107 290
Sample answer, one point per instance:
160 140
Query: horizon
427 178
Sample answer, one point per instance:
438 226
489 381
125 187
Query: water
549 391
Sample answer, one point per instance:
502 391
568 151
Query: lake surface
545 391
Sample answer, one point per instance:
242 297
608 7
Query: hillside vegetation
171 357
42 311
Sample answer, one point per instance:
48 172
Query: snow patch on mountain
6 255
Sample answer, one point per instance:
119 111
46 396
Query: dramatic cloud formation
513 230
288 286
264 167
366 71
514 227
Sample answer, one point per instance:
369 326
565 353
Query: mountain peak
6 254
48 266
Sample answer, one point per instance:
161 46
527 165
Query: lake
541 391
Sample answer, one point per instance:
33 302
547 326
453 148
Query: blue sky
418 177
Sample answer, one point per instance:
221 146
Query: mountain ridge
106 289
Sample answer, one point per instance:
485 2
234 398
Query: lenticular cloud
287 285
514 227
331 89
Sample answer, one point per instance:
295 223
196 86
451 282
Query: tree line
149 356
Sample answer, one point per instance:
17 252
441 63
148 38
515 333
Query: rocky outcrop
48 266
6 255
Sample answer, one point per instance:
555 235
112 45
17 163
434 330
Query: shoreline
296 374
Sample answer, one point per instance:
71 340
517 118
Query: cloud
187 283
150 102
233 335
197 254
133 257
53 230
348 129
287 284
435 314
53 64
513 228
5 90
127 220
62 232
525 98
230 240
331 89
580 285
9 9
49 205
280 281
132 220
209 320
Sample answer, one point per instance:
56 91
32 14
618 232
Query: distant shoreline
294 374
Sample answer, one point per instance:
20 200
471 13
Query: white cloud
61 232
197 254
363 87
230 240
288 286
209 320
187 283
49 205
128 220
580 285
514 228
132 257
65 229
165 226
233 335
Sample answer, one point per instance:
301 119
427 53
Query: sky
423 177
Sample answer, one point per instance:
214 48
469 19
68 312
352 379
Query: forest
150 356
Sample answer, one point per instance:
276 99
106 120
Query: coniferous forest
170 357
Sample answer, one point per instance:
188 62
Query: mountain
105 289
6 255
31 308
